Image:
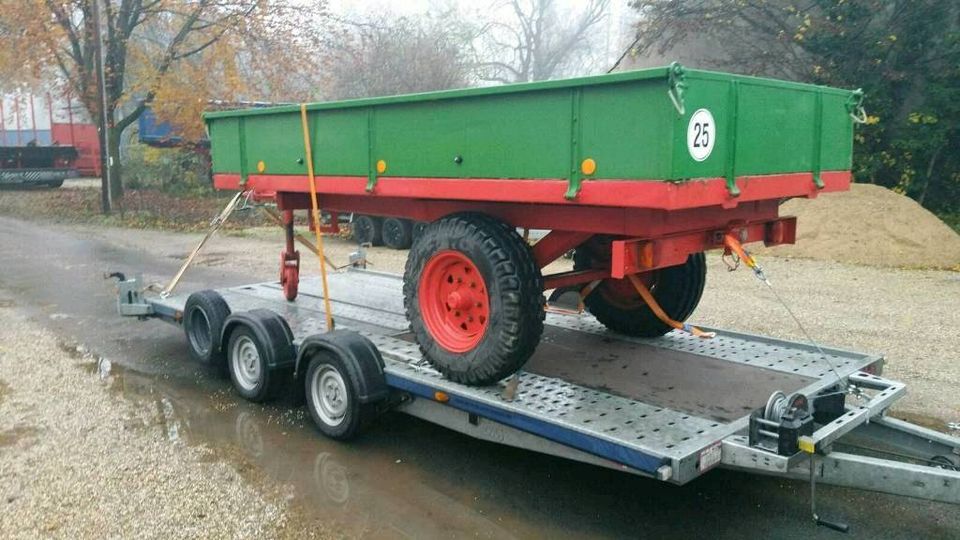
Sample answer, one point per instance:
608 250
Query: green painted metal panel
225 153
276 140
775 130
837 135
527 137
620 130
626 122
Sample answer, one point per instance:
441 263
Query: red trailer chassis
651 225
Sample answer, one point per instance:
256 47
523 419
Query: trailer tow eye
807 445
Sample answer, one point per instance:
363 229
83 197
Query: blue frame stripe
587 443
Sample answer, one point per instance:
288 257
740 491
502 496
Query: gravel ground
909 316
78 462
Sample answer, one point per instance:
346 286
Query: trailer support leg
289 260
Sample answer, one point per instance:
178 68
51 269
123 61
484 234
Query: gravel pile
76 462
870 225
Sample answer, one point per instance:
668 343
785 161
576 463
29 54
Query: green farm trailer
640 172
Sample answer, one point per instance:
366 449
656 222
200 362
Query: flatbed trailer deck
670 408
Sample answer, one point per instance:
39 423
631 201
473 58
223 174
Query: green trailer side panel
508 136
836 149
625 122
775 130
339 139
713 95
225 144
619 129
277 141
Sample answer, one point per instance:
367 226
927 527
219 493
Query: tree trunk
113 161
105 206
926 185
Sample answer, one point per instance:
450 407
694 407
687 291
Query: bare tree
539 41
390 55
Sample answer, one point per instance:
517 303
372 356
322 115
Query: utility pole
105 199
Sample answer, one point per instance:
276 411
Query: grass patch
139 209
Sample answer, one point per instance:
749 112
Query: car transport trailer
670 408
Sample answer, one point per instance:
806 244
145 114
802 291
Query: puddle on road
371 487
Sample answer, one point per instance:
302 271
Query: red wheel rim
454 303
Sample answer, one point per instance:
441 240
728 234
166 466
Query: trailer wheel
397 233
617 305
474 298
332 399
203 319
418 228
367 230
250 372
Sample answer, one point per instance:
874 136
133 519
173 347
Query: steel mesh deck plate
645 401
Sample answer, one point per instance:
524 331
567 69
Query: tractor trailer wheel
618 306
474 298
367 229
397 233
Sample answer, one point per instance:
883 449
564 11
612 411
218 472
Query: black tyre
418 228
203 319
332 398
474 298
619 307
367 230
55 184
397 233
249 370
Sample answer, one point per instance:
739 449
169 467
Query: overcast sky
617 28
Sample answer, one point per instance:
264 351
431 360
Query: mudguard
272 332
359 354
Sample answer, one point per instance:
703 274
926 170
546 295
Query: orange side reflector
442 397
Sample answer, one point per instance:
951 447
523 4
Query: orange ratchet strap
662 315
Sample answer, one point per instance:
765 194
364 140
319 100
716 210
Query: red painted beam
650 194
634 222
552 246
636 255
575 277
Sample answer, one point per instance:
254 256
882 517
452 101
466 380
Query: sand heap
870 225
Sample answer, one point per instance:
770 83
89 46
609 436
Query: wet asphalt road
406 478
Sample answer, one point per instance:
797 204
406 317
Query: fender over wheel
259 354
474 298
344 383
